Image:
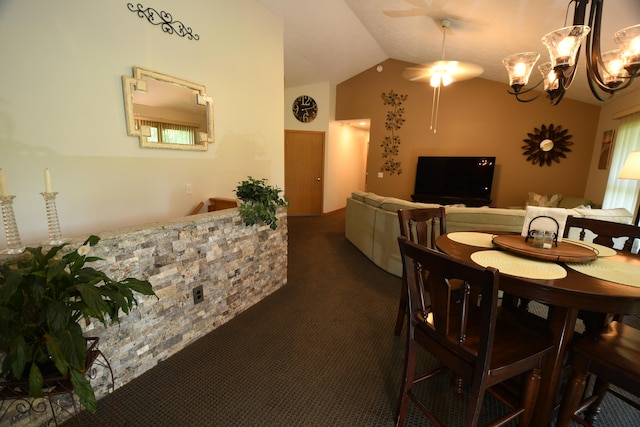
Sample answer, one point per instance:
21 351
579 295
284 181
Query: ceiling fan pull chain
435 106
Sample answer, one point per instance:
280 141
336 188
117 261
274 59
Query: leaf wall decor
391 143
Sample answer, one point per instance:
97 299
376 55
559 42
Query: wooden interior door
303 171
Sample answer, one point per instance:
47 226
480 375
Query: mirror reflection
167 112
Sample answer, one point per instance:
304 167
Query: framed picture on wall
606 149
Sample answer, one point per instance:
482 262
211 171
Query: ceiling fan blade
417 3
457 70
406 13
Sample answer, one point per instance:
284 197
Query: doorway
304 171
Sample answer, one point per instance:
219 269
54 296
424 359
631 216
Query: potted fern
259 202
43 299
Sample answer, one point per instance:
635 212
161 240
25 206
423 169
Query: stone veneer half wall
236 265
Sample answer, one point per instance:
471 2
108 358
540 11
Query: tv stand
450 200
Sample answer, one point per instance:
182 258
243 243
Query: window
169 133
623 192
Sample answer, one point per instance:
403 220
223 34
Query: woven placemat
600 249
611 270
472 238
519 266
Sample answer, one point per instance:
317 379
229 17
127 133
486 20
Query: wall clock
305 108
547 144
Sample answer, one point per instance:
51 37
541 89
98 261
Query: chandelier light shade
628 41
549 77
564 44
614 71
607 72
519 67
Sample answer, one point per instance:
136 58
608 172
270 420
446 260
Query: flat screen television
449 180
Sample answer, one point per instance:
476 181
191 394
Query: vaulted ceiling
333 40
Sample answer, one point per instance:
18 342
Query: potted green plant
43 299
259 202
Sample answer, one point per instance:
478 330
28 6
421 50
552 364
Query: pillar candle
47 182
3 184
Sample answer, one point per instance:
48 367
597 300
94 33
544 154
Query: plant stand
58 396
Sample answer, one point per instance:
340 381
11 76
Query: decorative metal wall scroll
547 144
391 144
165 20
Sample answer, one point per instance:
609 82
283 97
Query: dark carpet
318 352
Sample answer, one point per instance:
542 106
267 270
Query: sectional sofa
372 223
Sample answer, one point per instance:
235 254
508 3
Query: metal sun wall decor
547 144
391 144
164 19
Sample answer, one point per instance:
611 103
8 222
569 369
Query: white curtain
623 192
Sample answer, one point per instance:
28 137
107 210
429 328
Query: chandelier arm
523 99
566 75
580 11
527 90
556 96
520 92
593 53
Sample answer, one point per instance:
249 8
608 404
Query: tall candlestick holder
14 245
55 235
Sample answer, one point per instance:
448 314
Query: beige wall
61 107
347 157
477 118
345 146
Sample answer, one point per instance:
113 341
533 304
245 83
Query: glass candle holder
55 235
14 244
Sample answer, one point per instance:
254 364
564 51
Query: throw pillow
544 200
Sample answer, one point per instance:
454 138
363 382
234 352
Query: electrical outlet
187 189
380 174
198 294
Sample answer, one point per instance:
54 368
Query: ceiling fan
436 11
441 73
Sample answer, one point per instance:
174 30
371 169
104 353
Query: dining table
607 281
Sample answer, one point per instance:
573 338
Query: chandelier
441 73
607 72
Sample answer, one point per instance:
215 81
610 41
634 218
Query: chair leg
474 408
407 381
402 308
593 410
530 392
572 393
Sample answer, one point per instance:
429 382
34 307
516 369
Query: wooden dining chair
606 234
472 340
418 226
612 356
606 231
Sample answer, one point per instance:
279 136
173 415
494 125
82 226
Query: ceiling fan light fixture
441 73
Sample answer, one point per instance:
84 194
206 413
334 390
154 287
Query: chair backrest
420 225
606 231
446 319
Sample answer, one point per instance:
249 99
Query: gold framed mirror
167 112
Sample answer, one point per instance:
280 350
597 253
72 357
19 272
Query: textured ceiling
333 40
